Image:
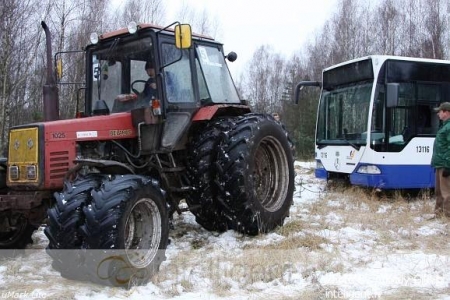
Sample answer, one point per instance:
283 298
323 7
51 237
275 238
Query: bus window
404 121
378 110
411 118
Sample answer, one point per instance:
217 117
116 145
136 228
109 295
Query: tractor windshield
216 85
120 69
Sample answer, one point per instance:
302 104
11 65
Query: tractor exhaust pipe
49 90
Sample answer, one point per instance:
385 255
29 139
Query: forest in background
356 28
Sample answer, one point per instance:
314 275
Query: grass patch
291 228
310 241
413 294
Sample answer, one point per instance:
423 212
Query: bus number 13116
423 149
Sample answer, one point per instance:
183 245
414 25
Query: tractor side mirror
183 36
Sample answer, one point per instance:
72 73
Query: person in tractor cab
150 87
127 102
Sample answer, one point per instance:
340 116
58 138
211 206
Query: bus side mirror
183 36
392 94
300 86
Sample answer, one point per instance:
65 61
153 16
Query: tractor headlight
94 38
369 169
14 172
132 27
31 172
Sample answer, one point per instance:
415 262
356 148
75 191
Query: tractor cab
189 72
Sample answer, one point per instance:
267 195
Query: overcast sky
245 25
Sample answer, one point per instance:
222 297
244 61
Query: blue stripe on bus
396 177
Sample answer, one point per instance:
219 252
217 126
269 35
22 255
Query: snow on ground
330 248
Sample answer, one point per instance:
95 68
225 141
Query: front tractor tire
256 174
64 221
126 231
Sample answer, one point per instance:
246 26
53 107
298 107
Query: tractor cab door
179 101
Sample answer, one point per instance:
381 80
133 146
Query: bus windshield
343 115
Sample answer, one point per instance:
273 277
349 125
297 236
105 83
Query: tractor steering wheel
134 89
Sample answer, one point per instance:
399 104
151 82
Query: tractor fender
106 166
207 113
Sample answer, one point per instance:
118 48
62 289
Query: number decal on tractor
59 135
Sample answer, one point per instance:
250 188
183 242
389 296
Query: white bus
375 121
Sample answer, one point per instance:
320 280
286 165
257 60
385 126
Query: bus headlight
369 169
319 165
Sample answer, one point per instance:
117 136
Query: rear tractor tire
202 200
256 174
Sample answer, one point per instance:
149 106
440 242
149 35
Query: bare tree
435 26
351 30
145 11
388 20
186 14
409 17
66 20
300 119
92 16
202 22
17 52
319 53
265 80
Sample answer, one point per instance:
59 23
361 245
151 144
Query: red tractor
109 181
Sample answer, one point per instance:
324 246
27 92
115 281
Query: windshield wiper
348 141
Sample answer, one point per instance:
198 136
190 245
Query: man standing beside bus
441 162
